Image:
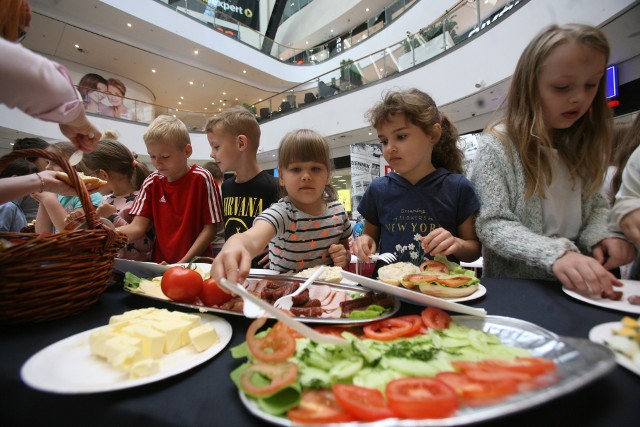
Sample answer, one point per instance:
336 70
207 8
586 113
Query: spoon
300 327
76 157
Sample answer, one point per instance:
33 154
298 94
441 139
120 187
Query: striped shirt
303 240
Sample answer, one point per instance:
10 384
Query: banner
365 166
245 11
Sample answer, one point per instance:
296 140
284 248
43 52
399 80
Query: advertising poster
106 96
365 166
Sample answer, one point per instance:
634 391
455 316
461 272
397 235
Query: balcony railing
466 20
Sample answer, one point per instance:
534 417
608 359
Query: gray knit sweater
511 229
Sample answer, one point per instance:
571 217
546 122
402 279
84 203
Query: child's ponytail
446 153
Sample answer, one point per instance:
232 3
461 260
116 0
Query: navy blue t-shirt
404 211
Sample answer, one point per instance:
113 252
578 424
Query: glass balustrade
465 20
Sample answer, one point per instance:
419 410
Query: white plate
629 287
68 367
419 298
151 269
600 333
579 362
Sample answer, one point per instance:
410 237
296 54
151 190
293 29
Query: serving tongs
251 301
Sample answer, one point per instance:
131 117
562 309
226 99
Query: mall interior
303 63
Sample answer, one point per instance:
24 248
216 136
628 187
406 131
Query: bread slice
91 182
330 274
446 291
393 273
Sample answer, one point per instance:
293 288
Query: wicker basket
49 276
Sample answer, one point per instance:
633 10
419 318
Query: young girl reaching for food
113 162
425 206
306 228
540 168
54 208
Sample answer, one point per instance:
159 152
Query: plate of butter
136 347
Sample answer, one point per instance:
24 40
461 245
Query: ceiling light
213 103
153 70
260 100
224 105
245 71
205 108
77 46
236 99
273 155
195 52
332 30
190 83
307 42
179 103
182 97
129 24
219 109
224 93
366 10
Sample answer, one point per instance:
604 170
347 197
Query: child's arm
465 248
365 245
55 213
234 260
202 241
43 222
340 253
136 229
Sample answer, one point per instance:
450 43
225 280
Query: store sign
244 11
611 89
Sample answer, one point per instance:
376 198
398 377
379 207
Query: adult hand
630 225
338 255
440 241
584 274
82 134
364 247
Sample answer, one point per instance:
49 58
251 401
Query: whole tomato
181 284
211 294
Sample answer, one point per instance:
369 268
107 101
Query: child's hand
364 247
630 225
233 262
105 210
440 241
584 274
613 252
339 255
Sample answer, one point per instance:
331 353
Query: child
306 228
54 209
234 136
539 170
182 202
426 201
625 214
12 218
114 163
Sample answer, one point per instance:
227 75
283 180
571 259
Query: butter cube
122 351
132 314
203 337
144 368
173 331
152 340
98 339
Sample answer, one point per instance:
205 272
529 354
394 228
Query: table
205 396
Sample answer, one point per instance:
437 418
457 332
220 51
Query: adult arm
43 89
17 186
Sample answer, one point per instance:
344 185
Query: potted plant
350 73
250 107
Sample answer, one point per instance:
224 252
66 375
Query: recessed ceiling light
370 133
224 105
224 93
245 71
179 103
260 100
219 109
236 99
190 83
366 10
213 103
205 108
153 70
273 155
174 115
332 30
77 46
129 24
195 52
182 97
306 42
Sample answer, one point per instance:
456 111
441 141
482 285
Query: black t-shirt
243 202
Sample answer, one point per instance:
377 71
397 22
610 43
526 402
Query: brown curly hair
421 110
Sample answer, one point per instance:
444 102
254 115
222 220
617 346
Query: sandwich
91 182
393 273
442 278
329 274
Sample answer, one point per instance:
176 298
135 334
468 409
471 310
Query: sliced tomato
455 281
480 371
415 321
475 393
533 366
433 265
421 398
363 403
279 344
434 318
271 377
421 278
387 329
319 407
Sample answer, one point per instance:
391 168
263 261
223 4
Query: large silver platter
336 286
579 362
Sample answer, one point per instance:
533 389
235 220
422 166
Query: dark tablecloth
205 396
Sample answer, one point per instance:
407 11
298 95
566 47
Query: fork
286 302
250 299
386 257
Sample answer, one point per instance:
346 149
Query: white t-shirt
562 205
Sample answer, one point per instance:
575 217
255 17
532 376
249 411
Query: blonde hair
235 121
305 145
167 129
588 140
110 134
421 110
113 156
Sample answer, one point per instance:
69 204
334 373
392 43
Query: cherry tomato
387 329
475 393
278 345
363 403
319 407
279 375
455 281
434 266
421 398
211 294
434 318
181 284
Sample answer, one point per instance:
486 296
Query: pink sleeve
37 86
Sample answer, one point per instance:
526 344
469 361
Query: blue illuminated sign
611 89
